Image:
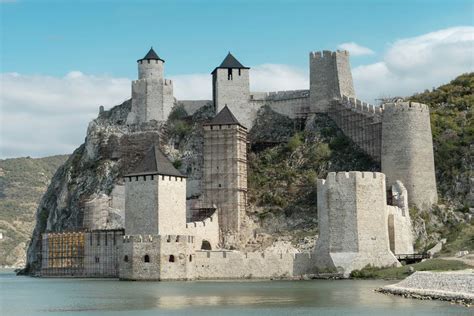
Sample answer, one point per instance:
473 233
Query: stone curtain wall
82 254
170 257
102 250
291 103
239 265
361 122
207 229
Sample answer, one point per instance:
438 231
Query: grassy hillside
452 124
22 183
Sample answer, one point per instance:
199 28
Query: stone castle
363 216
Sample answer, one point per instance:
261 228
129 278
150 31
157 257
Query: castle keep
363 216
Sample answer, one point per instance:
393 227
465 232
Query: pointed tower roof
224 117
230 62
151 55
155 162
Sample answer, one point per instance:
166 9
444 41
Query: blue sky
60 60
54 37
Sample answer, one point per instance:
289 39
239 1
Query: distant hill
22 183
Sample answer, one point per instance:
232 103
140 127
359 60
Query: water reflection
30 296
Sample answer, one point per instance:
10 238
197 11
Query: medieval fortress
363 217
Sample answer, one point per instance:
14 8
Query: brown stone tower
225 169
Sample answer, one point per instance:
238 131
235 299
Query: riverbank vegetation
404 271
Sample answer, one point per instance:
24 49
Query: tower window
97 259
190 258
239 71
146 258
229 74
171 258
125 258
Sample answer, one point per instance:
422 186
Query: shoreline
454 286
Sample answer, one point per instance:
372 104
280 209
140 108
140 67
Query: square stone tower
353 222
329 77
152 94
155 197
225 169
230 87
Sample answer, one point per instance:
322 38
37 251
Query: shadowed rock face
110 149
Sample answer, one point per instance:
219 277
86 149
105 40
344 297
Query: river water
35 296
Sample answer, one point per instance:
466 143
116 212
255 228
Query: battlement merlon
405 106
346 177
328 53
158 238
360 106
205 222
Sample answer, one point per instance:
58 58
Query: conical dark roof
155 162
230 62
151 55
224 117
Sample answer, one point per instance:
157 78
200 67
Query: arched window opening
206 245
125 258
190 258
171 258
146 258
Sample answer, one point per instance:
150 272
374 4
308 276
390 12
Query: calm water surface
34 296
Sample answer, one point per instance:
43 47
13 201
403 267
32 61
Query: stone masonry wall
170 257
207 229
291 103
102 252
155 204
233 92
330 77
141 205
239 265
407 151
353 222
359 121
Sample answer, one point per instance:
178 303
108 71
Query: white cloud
192 87
414 64
44 115
272 77
356 49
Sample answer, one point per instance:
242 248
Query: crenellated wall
361 122
207 229
330 77
157 257
291 103
238 265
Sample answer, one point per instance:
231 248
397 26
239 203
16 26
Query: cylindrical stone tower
407 151
151 66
